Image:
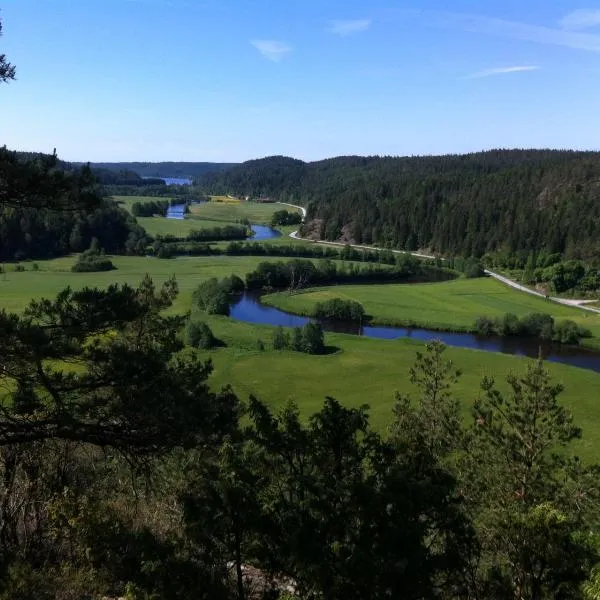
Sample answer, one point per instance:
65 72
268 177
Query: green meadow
361 370
206 215
450 305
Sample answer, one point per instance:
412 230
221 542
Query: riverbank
451 306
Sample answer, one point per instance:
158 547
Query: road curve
505 280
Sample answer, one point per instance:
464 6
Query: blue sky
229 80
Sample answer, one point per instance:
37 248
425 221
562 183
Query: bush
92 260
233 284
212 297
281 339
568 332
538 325
510 325
19 268
92 266
485 326
342 310
313 339
199 335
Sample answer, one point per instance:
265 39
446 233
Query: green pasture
18 288
361 370
255 212
450 305
365 370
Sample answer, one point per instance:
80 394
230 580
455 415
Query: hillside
510 200
164 169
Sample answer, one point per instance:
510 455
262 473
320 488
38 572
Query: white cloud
581 19
502 71
271 49
517 30
345 28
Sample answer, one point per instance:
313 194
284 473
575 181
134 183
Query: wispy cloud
581 19
501 71
272 49
349 27
516 30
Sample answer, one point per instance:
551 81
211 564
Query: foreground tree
534 504
431 419
7 71
347 516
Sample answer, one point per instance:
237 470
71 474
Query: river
248 308
260 232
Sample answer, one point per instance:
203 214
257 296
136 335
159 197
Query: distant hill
188 170
500 200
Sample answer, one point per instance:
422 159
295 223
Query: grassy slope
364 370
451 304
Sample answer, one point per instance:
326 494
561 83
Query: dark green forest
183 170
462 205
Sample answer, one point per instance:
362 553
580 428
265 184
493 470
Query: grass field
363 370
452 305
366 370
16 289
231 212
205 216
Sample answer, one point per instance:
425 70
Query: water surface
249 309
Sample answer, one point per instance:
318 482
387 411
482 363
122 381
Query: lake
248 308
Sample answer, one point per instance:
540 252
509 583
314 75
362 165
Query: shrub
92 260
199 335
485 326
212 297
538 325
281 339
568 332
93 265
19 268
343 310
312 339
510 325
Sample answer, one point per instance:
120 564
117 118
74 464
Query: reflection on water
248 308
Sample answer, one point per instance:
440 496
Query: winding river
260 232
248 308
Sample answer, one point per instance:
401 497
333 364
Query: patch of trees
550 271
149 209
198 334
48 211
461 205
535 325
213 234
308 339
301 273
339 309
284 217
92 260
213 296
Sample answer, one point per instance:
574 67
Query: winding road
505 280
